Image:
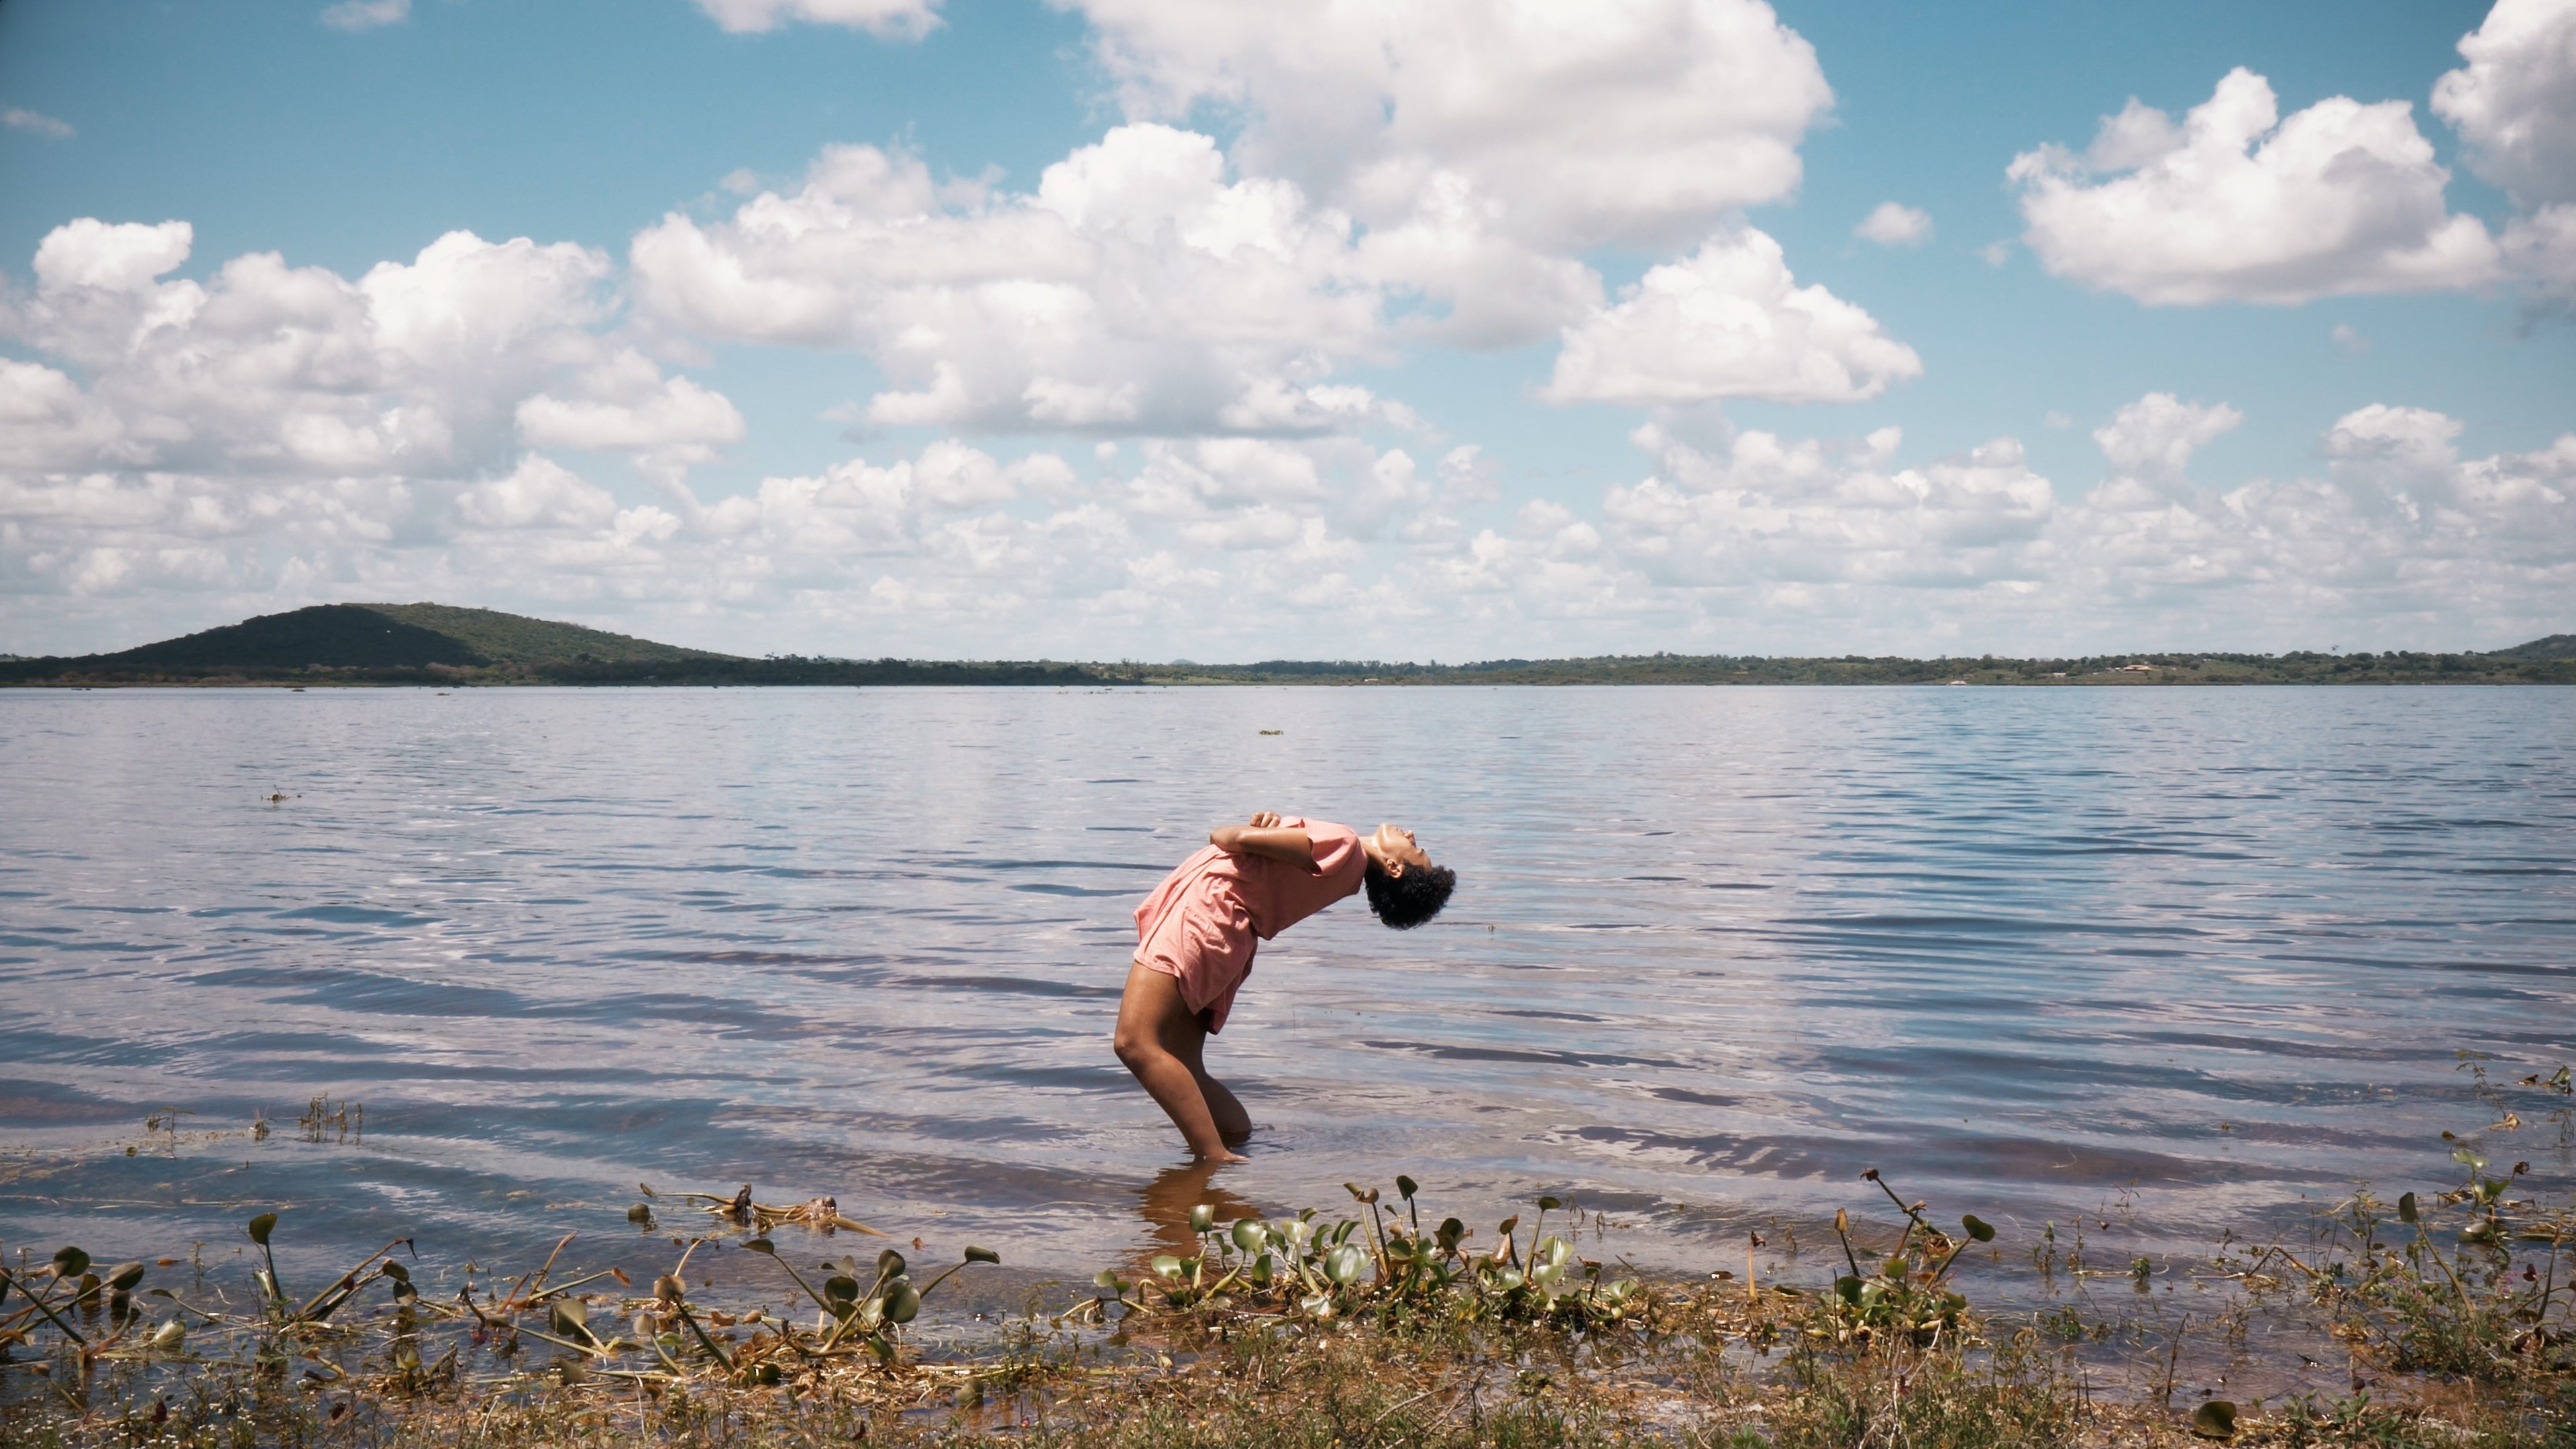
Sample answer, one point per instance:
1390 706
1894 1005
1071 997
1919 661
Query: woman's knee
1131 1044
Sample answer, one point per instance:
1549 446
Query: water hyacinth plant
1904 1294
1394 1270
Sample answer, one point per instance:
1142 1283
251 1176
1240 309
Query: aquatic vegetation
2498 1304
1376 1325
1327 1270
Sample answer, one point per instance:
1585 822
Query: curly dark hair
1406 901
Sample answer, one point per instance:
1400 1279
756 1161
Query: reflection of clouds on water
1714 951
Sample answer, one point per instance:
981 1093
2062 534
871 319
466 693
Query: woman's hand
1270 841
1265 819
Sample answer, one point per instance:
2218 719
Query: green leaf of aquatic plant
1550 1204
889 1264
1849 1289
1370 1195
124 1276
902 1303
1345 1264
1165 1265
70 1262
1250 1233
395 1271
982 1255
2406 1210
2215 1420
1202 1217
261 1227
1978 1228
569 1318
841 1288
761 1245
1108 1278
1407 1186
640 1213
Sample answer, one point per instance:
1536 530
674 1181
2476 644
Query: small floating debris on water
277 797
1270 732
820 1213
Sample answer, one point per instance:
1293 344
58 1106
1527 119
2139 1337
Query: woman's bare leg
1160 1040
1232 1122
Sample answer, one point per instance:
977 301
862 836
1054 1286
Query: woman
1195 936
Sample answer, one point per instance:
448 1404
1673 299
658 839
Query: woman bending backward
1195 936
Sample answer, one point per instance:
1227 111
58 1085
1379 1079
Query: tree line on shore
437 644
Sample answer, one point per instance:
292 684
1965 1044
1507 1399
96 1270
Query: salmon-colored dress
1202 924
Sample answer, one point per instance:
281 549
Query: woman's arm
1265 838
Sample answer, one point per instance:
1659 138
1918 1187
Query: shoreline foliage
1376 1327
442 645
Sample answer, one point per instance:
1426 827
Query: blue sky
1379 389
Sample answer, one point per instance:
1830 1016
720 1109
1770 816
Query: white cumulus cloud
2514 103
19 118
1479 145
2149 444
2237 204
904 19
366 14
1894 224
282 432
1728 321
1137 290
1630 120
1787 517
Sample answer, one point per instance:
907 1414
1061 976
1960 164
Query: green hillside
368 642
444 644
390 636
517 639
2556 646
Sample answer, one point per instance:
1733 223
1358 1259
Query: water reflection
1166 1203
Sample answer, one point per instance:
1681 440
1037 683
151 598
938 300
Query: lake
2185 956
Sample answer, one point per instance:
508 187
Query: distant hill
2556 646
390 636
445 644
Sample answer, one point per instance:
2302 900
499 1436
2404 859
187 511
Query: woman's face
1395 847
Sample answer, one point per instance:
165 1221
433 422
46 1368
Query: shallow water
2194 954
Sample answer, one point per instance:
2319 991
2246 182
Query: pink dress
1202 924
